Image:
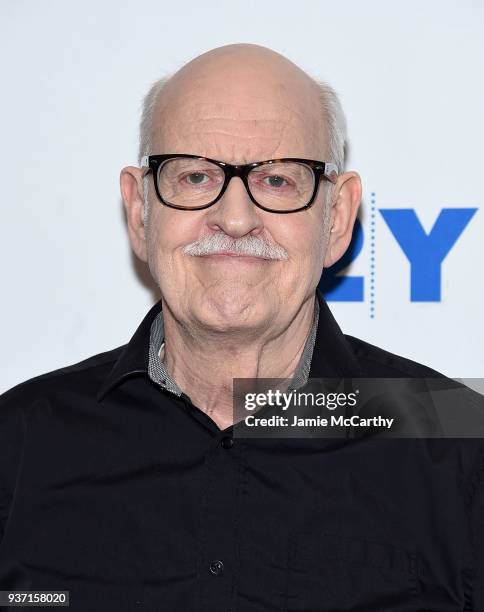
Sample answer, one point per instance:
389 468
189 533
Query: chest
307 525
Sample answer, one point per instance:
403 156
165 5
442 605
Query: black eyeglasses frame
320 169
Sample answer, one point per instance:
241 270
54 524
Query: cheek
169 232
303 238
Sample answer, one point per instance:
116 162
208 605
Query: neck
204 366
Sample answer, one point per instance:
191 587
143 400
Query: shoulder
375 361
461 437
19 401
89 371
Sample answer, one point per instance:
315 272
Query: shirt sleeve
11 443
477 530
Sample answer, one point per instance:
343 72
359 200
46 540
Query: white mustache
246 245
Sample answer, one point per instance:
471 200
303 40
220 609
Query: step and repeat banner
409 78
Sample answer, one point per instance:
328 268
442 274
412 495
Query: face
238 120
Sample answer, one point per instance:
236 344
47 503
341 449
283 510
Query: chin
225 311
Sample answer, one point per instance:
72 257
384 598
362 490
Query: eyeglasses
191 182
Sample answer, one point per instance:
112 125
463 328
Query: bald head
240 68
217 100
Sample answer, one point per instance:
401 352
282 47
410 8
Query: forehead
240 125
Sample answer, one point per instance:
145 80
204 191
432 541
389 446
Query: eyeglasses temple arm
331 172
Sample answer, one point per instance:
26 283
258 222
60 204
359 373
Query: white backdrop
73 75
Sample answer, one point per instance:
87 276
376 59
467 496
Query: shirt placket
220 524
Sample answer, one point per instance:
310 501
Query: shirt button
227 442
216 567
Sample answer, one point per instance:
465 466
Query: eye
275 180
196 178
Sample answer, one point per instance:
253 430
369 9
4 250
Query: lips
232 254
224 254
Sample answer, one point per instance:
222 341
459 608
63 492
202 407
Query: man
122 479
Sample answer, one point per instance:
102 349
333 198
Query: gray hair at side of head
335 121
146 133
333 114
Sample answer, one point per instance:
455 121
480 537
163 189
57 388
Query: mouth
230 256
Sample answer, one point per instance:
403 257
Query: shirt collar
326 353
156 368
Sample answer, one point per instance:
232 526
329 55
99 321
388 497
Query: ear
344 208
131 183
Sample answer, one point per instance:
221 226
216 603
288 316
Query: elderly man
121 478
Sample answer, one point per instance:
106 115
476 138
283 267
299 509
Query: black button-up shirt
130 497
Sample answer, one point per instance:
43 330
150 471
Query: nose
235 213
